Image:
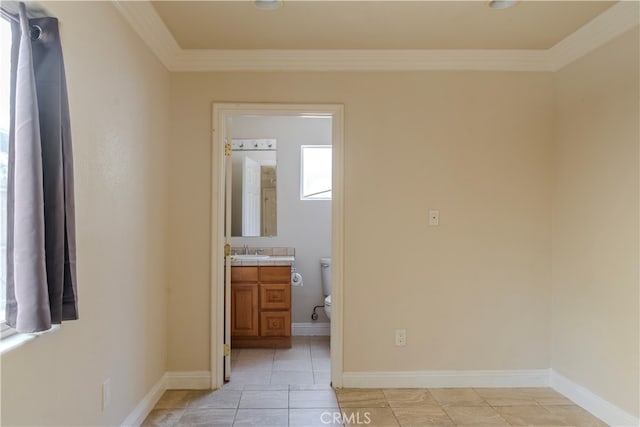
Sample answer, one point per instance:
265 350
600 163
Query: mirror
253 182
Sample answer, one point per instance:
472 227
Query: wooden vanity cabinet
261 306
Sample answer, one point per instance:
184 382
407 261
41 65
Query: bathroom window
5 73
315 172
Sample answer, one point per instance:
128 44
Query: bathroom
300 222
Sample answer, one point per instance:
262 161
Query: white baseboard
142 409
311 329
606 411
189 380
431 379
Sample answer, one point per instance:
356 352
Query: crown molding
613 22
144 19
360 60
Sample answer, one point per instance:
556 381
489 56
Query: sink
251 257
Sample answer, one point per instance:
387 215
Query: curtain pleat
41 251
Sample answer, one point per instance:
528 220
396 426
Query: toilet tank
325 268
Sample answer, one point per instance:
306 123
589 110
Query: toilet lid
327 300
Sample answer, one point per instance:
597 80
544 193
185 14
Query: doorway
220 275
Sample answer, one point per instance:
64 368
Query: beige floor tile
575 416
313 399
208 417
530 416
457 397
292 377
414 417
475 416
507 396
546 396
221 399
372 417
256 353
262 418
257 364
314 417
256 377
262 400
294 353
173 399
409 397
163 417
361 398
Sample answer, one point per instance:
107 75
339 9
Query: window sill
16 340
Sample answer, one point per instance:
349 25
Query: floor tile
172 399
475 415
321 364
409 397
293 354
431 416
312 399
292 377
373 417
163 417
292 364
314 417
322 378
506 396
309 387
256 353
530 415
262 400
361 398
255 377
457 397
575 416
257 364
222 399
546 396
262 418
208 417
266 387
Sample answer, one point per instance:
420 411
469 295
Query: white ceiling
301 24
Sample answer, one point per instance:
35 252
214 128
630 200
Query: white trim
142 409
599 407
431 379
603 28
188 380
360 60
11 339
220 110
145 21
310 329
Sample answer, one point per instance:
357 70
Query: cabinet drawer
244 274
276 274
275 297
275 324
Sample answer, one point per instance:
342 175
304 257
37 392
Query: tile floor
290 388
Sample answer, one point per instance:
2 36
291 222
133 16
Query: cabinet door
275 297
275 274
275 324
244 310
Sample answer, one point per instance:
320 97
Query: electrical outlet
106 393
434 217
401 337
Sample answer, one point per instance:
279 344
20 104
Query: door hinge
227 149
227 350
227 249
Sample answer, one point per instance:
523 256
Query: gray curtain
41 248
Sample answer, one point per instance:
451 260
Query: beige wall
119 107
473 293
595 223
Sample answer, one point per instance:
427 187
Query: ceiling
303 24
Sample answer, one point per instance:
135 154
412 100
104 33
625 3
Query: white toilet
325 267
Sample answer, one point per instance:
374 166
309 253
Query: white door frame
220 110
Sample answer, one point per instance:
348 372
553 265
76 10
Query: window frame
302 175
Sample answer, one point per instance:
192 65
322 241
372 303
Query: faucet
259 251
246 249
